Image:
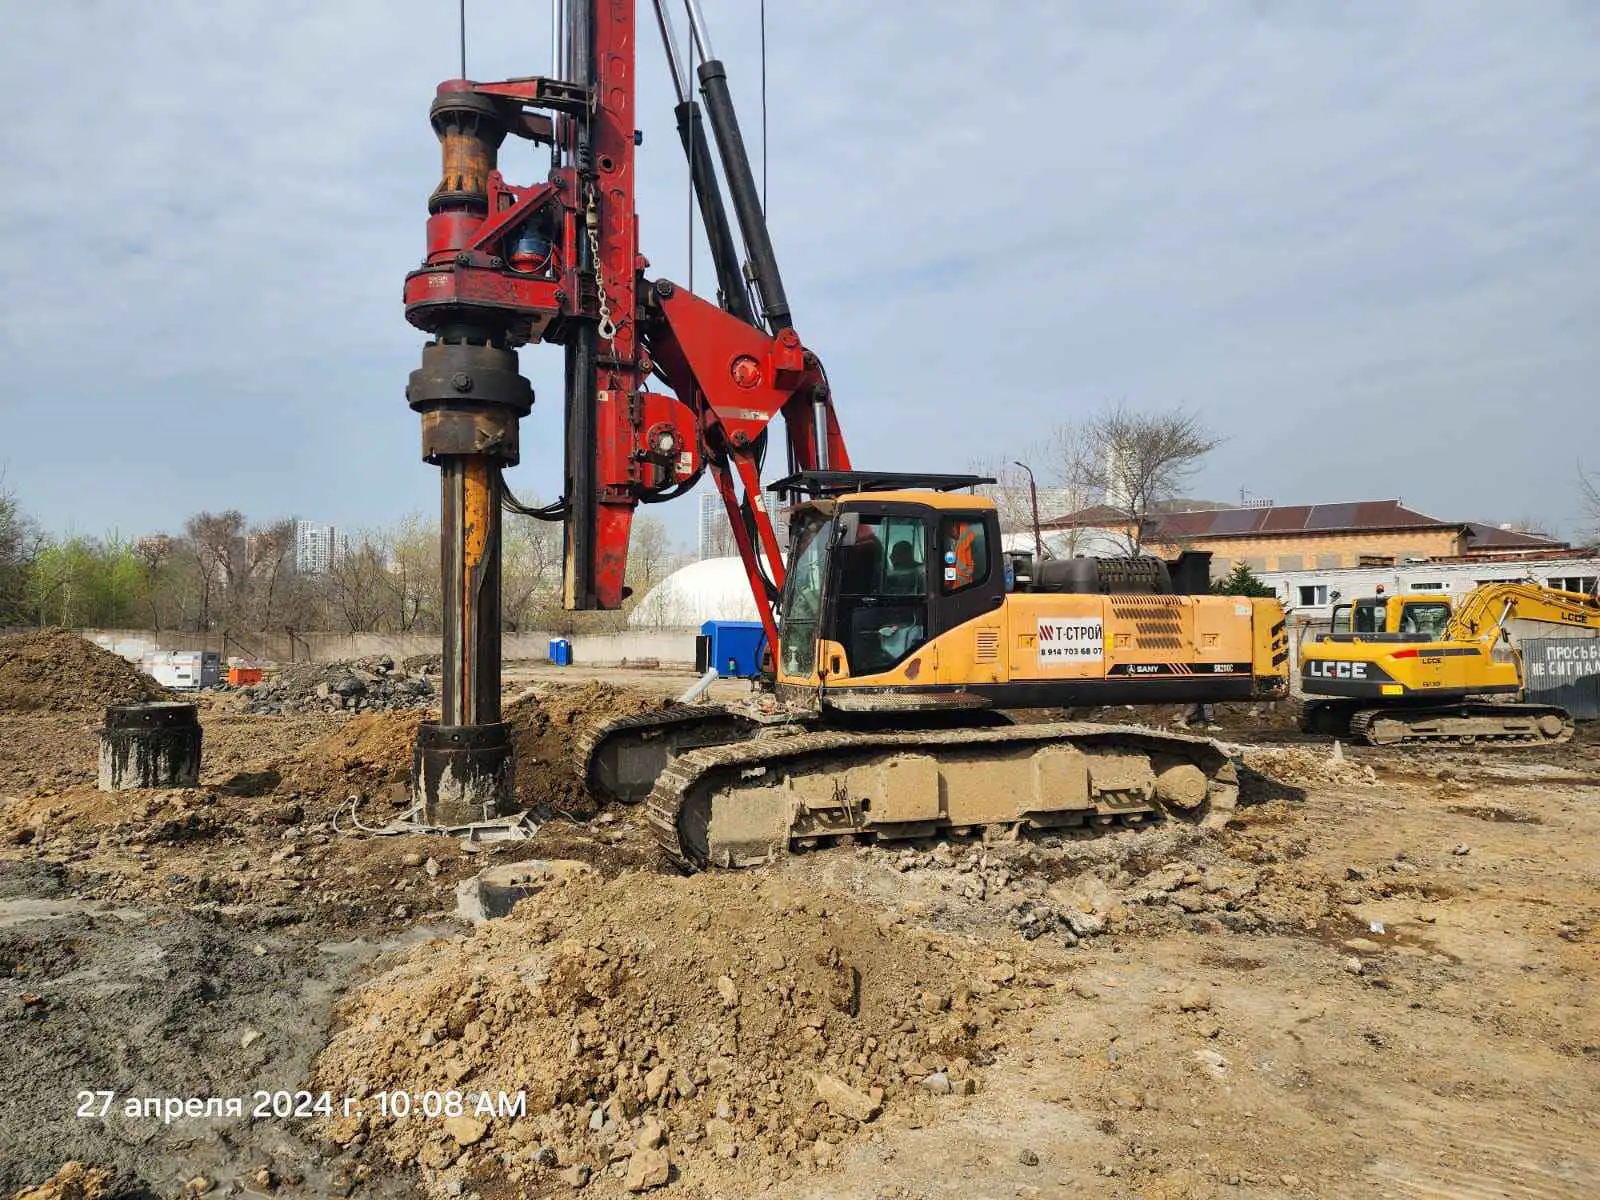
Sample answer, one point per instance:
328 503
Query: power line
763 105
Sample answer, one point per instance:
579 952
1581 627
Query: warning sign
1079 639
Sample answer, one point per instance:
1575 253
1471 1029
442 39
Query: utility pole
1033 496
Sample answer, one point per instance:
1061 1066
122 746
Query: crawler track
1464 724
746 802
620 760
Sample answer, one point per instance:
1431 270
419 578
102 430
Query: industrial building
1306 537
1310 595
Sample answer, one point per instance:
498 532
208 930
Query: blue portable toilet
733 647
560 652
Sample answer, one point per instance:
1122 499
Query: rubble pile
660 1028
73 1181
1298 766
358 685
56 670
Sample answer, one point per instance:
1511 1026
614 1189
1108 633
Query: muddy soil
1379 980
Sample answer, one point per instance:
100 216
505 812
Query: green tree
19 543
1241 581
85 582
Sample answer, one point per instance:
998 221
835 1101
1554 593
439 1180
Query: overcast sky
1360 238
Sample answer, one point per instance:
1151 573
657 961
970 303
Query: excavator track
747 802
1463 724
620 760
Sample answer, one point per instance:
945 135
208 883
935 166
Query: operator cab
1412 617
881 566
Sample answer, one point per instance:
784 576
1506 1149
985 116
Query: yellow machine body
1417 667
900 600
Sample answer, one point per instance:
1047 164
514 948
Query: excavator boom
1488 606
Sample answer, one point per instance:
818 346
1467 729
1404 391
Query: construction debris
356 685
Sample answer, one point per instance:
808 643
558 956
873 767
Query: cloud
1358 238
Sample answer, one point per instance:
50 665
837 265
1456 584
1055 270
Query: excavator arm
1486 609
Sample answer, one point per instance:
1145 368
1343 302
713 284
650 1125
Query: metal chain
591 219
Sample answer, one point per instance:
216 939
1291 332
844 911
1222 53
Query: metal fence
1564 671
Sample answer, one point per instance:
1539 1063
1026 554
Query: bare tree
649 554
1590 490
209 540
414 574
271 562
1012 499
240 567
359 584
531 571
20 543
1133 462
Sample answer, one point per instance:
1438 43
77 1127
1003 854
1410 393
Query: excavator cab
1426 616
875 575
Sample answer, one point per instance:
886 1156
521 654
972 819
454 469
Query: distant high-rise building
318 547
716 538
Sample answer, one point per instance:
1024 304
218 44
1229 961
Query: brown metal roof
1492 537
1280 520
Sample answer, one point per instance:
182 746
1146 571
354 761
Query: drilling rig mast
559 262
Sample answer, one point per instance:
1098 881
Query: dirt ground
1379 980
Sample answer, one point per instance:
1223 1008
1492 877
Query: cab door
878 609
969 598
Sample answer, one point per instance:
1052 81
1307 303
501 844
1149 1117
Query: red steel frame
729 379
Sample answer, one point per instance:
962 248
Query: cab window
1341 619
963 553
802 601
1368 616
881 610
1428 618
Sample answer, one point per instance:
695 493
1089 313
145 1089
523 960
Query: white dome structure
713 589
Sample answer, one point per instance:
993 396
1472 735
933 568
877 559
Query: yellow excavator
907 632
1417 668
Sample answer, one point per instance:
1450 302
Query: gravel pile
359 685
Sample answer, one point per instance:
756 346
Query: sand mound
751 1025
378 742
58 671
374 748
545 728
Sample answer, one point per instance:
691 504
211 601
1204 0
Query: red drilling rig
909 631
559 262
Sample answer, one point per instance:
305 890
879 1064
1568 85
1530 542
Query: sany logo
1319 669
